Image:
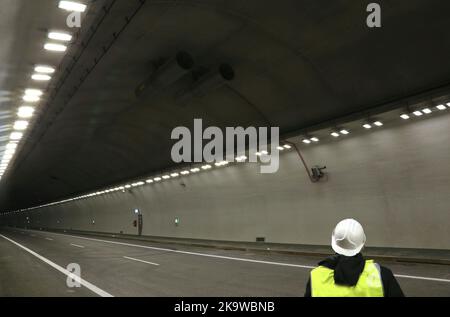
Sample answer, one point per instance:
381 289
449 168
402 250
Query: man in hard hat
348 274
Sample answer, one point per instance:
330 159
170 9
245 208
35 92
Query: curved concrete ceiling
297 64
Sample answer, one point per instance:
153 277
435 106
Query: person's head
348 238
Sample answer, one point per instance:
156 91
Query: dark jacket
348 269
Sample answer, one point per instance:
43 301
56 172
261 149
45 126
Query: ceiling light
367 126
44 69
72 6
185 173
418 113
59 36
280 148
335 134
33 92
166 177
345 132
16 136
25 112
405 116
306 141
441 107
20 125
149 181
195 170
206 167
241 158
314 139
378 123
40 77
287 146
261 153
427 111
223 163
31 98
157 179
55 47
174 175
10 146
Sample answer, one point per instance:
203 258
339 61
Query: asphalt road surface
35 263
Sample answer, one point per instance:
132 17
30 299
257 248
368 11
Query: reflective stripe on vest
369 283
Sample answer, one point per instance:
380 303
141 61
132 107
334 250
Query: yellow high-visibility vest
369 283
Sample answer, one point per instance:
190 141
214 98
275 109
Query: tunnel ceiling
297 63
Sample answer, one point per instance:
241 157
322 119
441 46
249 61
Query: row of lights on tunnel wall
42 73
370 124
157 179
242 158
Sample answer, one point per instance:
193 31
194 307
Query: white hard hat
348 237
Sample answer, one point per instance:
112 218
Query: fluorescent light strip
20 125
33 92
41 77
55 47
378 123
44 69
25 112
405 116
72 6
15 136
31 98
60 36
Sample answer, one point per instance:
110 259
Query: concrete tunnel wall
395 181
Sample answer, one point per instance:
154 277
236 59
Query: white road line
194 253
423 278
127 257
49 239
76 245
83 282
239 259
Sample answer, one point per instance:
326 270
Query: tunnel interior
332 119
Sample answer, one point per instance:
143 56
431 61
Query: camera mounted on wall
318 172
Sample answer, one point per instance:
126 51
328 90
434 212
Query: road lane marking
239 259
76 245
423 278
80 280
127 257
193 253
49 239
